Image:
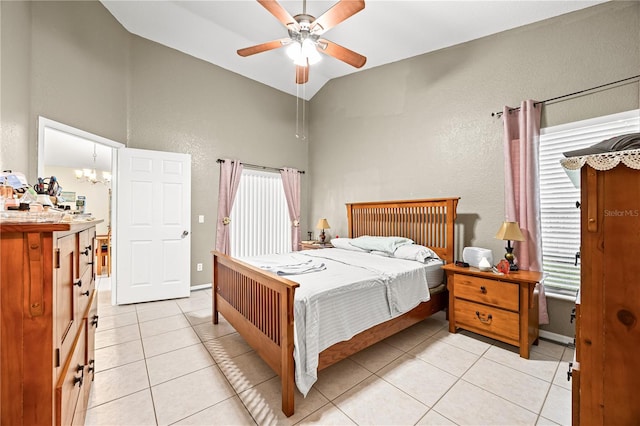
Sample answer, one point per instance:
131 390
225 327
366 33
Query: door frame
43 124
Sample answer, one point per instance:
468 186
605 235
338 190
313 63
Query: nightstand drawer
488 321
496 293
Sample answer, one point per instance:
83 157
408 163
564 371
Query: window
558 196
260 216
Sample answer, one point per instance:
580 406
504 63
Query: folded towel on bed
295 269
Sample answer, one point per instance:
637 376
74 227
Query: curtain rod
499 113
256 166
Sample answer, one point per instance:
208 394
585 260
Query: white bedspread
353 293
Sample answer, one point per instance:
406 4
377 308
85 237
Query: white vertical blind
259 218
558 196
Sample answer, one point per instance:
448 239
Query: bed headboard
427 222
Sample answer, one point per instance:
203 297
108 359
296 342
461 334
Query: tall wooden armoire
606 371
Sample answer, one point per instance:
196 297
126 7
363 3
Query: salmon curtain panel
230 173
522 187
291 183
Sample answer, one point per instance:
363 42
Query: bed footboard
259 306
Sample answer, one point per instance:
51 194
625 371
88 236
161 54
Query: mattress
347 293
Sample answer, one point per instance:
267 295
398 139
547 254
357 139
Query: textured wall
15 88
422 127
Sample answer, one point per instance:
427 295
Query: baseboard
200 287
555 337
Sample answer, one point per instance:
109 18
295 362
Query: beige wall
422 127
15 85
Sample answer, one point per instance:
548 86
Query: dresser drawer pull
569 372
483 289
94 321
486 320
78 283
86 293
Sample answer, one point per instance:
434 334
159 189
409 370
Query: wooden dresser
503 307
606 371
48 319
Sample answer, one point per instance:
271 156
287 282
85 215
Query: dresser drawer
85 292
488 320
71 382
496 293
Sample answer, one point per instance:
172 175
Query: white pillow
415 252
344 243
387 244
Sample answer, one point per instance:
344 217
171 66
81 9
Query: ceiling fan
305 31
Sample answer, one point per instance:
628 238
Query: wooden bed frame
259 305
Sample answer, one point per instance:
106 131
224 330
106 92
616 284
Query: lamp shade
323 224
510 231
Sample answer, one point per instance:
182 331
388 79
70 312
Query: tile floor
164 363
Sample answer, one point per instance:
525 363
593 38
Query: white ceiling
385 31
63 149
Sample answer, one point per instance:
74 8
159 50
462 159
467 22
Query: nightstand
503 307
315 245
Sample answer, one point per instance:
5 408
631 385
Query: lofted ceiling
385 31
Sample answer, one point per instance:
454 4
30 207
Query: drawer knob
486 320
569 372
94 321
86 293
78 283
483 289
92 366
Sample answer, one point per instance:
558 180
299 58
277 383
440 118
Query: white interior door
153 244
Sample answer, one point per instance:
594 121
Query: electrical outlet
201 218
199 267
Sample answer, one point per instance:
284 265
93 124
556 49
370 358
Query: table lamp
510 231
322 224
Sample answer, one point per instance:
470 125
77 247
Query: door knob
185 233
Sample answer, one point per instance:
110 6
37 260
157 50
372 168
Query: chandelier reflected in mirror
90 175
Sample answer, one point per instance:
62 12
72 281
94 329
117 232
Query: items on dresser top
503 307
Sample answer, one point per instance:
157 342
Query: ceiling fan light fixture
294 51
310 52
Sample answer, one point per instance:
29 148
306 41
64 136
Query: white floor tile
538 365
116 336
246 371
117 355
466 404
163 325
135 409
418 378
527 391
444 356
377 356
118 382
187 395
228 412
264 402
167 342
339 378
329 415
557 406
375 401
177 363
